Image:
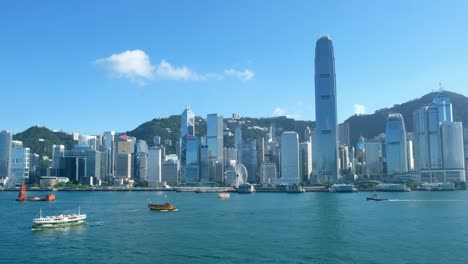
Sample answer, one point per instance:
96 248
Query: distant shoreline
177 189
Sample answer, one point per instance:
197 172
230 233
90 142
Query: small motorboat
375 198
223 196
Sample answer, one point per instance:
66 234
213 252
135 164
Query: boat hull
162 207
376 199
58 225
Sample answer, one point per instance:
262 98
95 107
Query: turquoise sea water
415 227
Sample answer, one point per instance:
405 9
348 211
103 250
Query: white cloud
244 75
359 109
132 64
136 66
279 111
167 71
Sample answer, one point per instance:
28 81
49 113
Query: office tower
187 125
214 140
123 165
238 143
249 160
154 166
343 134
170 172
427 145
214 136
230 156
188 148
373 158
361 149
438 142
260 150
305 160
19 163
452 151
78 165
125 145
192 160
108 150
141 161
290 158
267 173
325 141
5 154
344 159
444 107
58 151
395 141
87 142
204 164
352 160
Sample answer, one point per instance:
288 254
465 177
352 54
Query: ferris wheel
241 175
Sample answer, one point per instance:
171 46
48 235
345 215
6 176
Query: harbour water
414 227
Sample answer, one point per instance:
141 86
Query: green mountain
40 140
371 125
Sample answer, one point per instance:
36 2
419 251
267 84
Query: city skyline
71 77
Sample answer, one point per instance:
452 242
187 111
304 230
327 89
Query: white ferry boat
342 188
56 221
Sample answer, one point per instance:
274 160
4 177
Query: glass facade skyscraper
192 160
5 154
189 148
325 142
395 140
187 120
214 138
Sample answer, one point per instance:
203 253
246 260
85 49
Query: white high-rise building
290 158
154 166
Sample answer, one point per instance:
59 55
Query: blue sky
92 66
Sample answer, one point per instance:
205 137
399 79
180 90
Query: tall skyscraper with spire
189 148
325 147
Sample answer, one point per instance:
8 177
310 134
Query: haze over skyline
96 66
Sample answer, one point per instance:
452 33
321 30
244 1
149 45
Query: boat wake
398 200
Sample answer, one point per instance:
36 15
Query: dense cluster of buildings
435 151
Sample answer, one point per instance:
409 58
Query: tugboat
22 197
165 207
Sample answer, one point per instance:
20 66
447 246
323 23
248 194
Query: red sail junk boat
22 197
